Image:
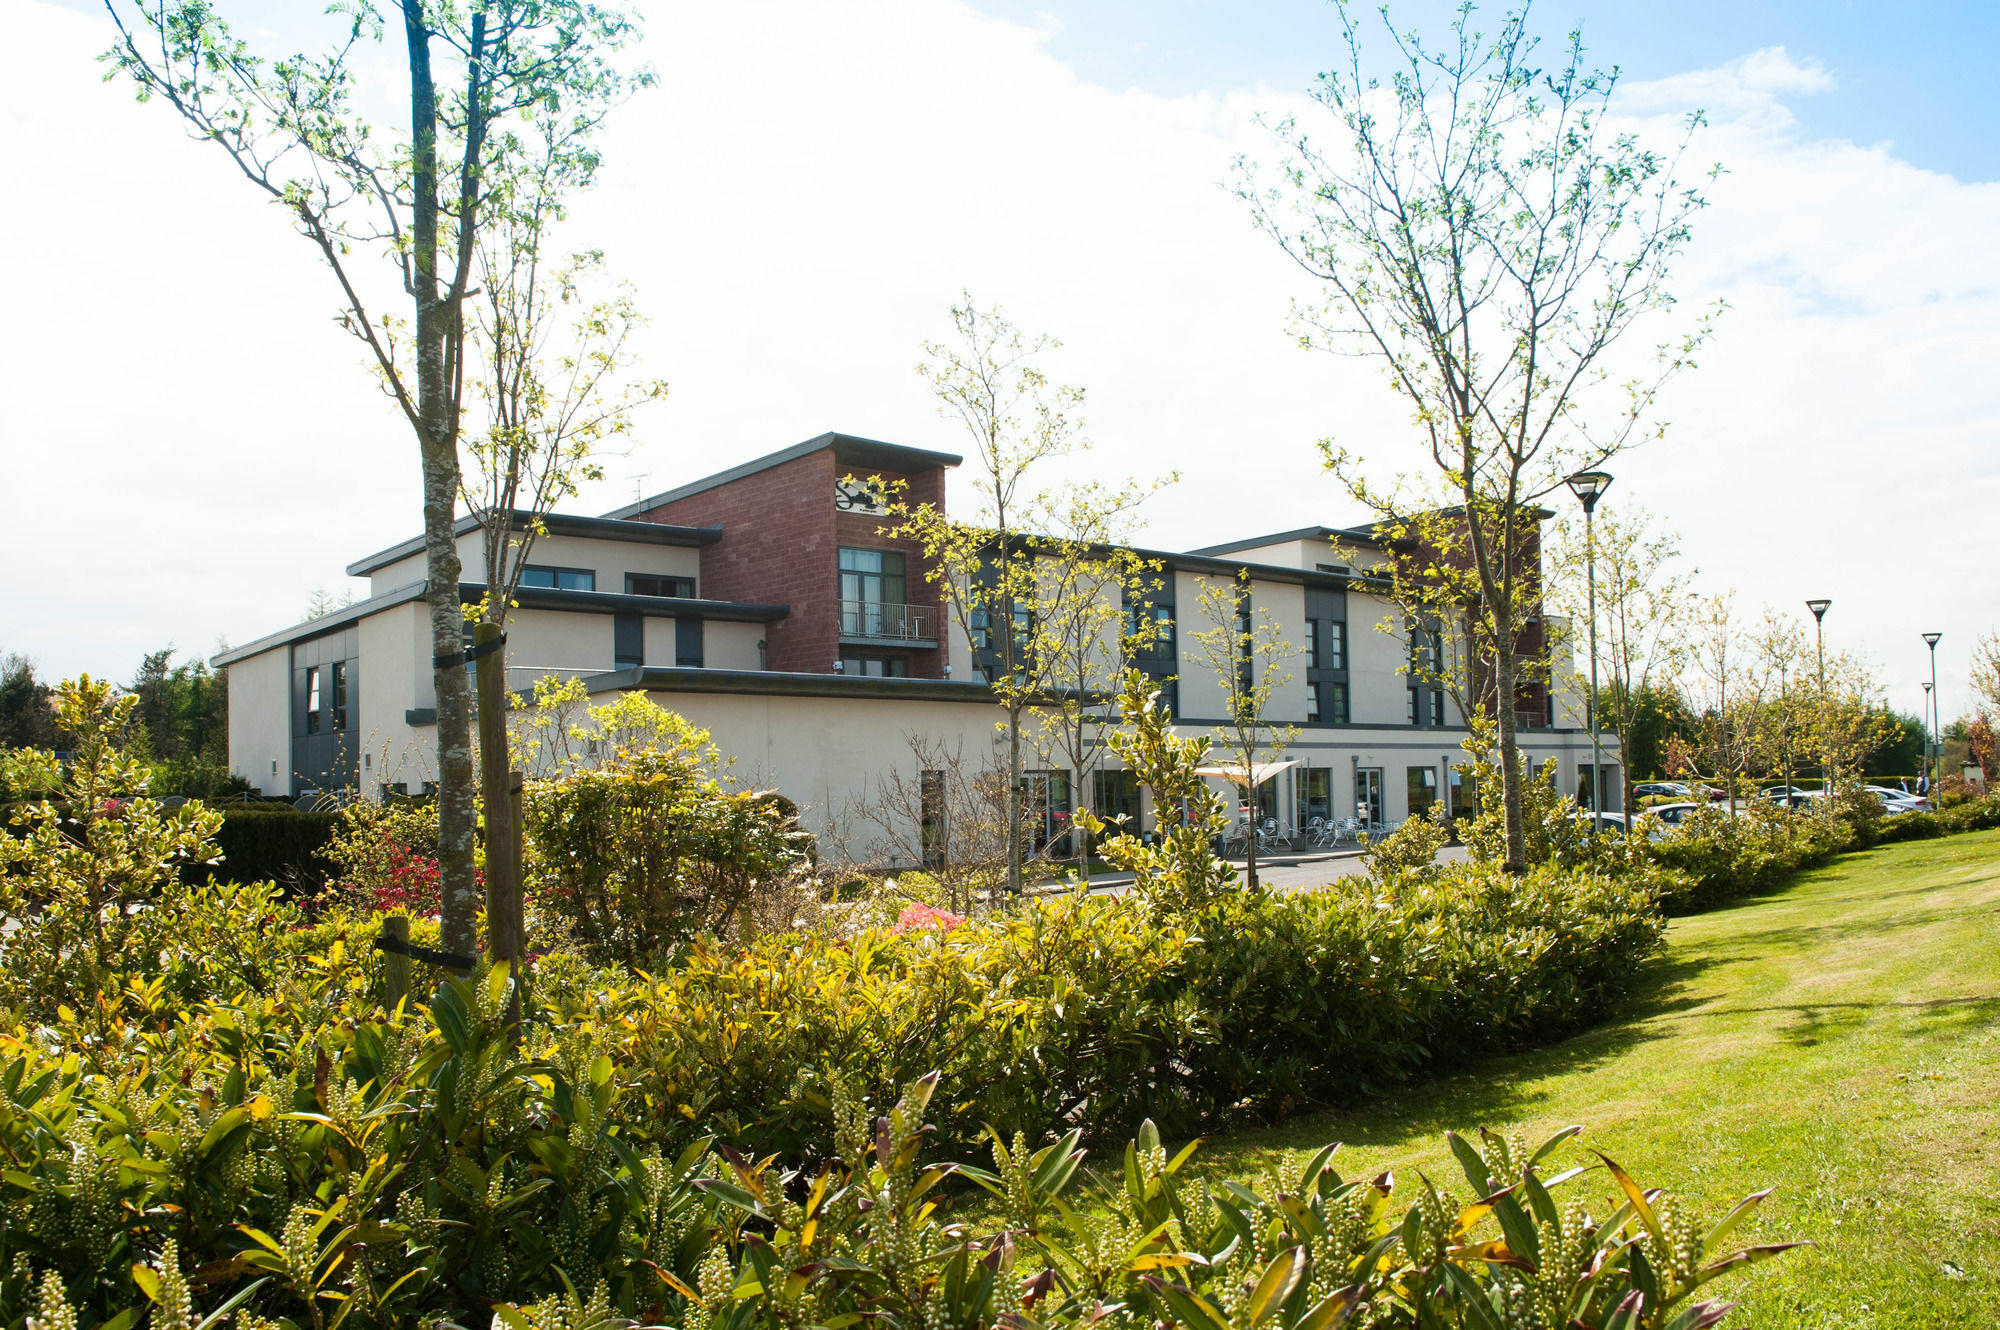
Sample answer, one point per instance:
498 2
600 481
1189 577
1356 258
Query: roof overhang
612 602
557 524
849 451
320 627
780 683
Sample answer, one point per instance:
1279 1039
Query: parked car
1672 815
1660 789
1899 801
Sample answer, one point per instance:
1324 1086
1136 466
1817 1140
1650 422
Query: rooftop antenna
638 487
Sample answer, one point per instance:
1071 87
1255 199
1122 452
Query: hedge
270 843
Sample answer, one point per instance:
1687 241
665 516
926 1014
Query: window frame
556 573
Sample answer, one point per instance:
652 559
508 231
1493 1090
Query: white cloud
192 448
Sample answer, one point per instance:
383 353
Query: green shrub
411 1170
270 842
649 851
79 870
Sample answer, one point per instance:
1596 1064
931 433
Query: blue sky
813 182
1915 73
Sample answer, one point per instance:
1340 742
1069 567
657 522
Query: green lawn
1836 1039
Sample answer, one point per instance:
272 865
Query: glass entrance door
1368 795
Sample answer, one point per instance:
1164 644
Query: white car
1899 801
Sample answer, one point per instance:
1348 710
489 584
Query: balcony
886 621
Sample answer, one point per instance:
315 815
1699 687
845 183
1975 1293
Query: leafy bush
270 843
409 1170
385 857
650 851
75 877
1715 858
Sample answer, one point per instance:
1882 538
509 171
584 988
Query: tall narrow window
312 699
628 641
687 643
1313 630
1337 708
338 711
872 594
1336 645
1312 704
930 786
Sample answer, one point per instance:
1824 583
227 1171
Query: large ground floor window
1422 785
1315 794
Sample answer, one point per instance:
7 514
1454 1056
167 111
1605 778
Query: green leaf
1332 1311
148 1280
1470 1163
1478 1307
1188 1307
1548 1146
1700 1316
1280 1277
1633 1195
1727 1224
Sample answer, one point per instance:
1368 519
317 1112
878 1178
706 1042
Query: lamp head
1818 608
1589 486
1927 686
1931 640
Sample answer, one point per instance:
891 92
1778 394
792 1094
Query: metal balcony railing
1536 719
885 621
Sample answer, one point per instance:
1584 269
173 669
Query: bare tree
494 87
950 820
1642 611
1720 697
1484 234
1245 649
1017 573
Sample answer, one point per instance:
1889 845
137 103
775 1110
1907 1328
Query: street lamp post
1819 609
1589 486
1922 788
1934 746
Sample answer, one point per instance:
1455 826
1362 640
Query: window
1336 708
338 712
1464 792
1045 797
628 642
312 699
551 578
1313 630
1117 796
1315 794
1368 794
874 667
1152 627
657 584
872 577
1411 694
1336 645
1312 704
1246 647
930 789
687 643
1340 569
1437 707
1422 786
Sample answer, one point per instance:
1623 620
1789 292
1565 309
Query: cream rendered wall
661 646
609 559
731 646
398 574
825 752
541 642
1377 689
395 678
260 720
612 559
1202 694
1285 605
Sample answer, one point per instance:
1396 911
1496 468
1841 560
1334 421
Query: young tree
1245 649
1642 606
1015 575
1483 234
1718 694
487 81
1985 674
1084 631
951 819
27 717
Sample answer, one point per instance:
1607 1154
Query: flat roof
849 448
1355 535
325 623
558 524
695 679
615 602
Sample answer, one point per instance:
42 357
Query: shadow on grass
1471 1094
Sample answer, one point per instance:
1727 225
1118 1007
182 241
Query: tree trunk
1016 812
502 881
1510 759
437 429
1250 841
